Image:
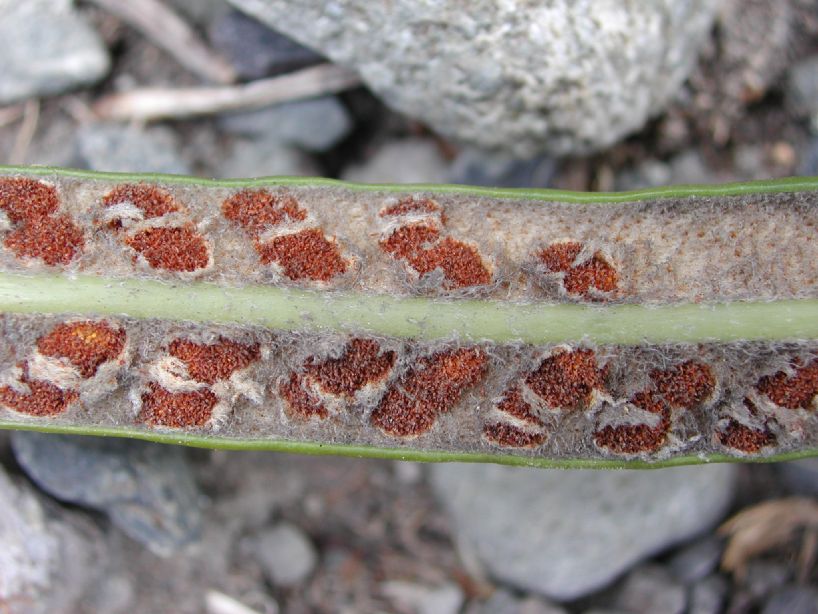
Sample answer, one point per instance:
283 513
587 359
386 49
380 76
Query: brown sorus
636 438
26 200
411 205
303 255
43 399
179 248
514 405
53 239
686 385
360 364
160 407
209 363
299 401
744 438
86 344
793 392
595 273
431 387
257 210
566 379
511 436
421 247
152 201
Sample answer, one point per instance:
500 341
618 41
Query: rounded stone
565 534
523 76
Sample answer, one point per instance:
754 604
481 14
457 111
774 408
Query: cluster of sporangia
195 384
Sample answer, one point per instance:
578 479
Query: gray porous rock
565 534
130 149
146 489
45 562
524 76
46 48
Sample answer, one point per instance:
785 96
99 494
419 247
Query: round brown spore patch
152 201
514 405
86 344
595 273
178 249
54 239
432 387
360 364
209 363
637 438
744 438
686 385
567 379
161 407
510 436
304 255
299 402
26 200
43 399
410 205
257 210
793 392
420 246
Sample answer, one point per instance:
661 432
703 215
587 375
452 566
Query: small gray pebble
117 148
793 600
696 560
651 590
286 555
147 490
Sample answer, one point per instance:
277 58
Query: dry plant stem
149 104
171 33
429 322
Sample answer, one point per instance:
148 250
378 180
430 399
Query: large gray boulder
564 534
524 76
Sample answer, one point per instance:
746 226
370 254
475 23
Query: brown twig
170 32
31 117
165 103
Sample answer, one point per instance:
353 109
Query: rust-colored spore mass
360 364
210 363
793 392
559 257
152 201
299 401
514 405
744 438
160 407
434 386
421 247
179 248
686 385
25 200
87 345
637 438
304 255
43 399
580 279
566 379
510 436
411 205
54 239
257 210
